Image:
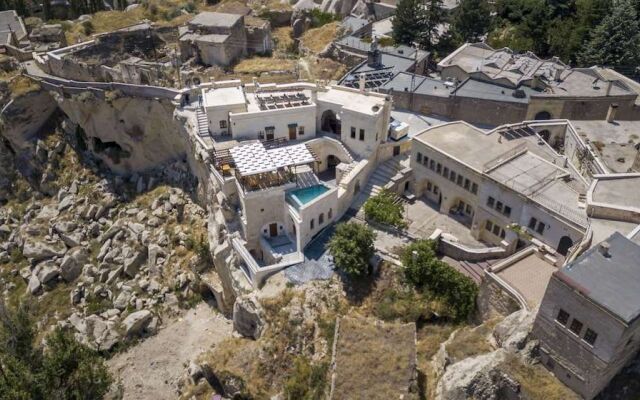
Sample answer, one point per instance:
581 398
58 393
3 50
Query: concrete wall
248 125
325 204
583 108
260 208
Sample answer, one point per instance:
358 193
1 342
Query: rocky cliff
130 134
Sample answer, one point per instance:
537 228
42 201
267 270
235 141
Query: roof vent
603 248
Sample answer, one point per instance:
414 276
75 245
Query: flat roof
613 281
208 18
525 172
623 190
10 19
614 143
216 97
353 100
584 82
402 82
476 89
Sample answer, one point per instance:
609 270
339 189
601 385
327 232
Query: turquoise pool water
305 195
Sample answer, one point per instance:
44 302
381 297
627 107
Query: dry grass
374 360
471 341
21 85
258 65
283 39
315 40
536 382
324 68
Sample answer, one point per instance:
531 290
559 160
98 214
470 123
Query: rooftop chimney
611 114
362 83
603 248
609 86
558 74
374 56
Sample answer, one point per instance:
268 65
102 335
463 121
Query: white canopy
253 158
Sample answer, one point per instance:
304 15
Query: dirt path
151 369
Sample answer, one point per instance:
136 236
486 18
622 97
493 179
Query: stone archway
564 245
329 122
542 116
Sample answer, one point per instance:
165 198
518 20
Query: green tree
385 209
472 20
65 370
352 247
433 19
616 41
408 21
426 272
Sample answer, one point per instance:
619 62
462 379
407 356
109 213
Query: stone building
12 29
507 186
214 38
493 87
588 321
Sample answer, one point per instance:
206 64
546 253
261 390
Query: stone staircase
382 176
203 123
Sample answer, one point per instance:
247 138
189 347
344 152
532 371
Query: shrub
352 247
64 370
384 209
426 272
319 17
307 381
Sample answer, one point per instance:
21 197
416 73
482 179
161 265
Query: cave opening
111 149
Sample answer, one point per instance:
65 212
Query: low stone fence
17 53
459 251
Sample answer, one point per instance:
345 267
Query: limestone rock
34 286
73 262
478 378
248 316
47 273
39 251
133 263
512 332
136 322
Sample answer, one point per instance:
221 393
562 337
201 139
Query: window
468 209
445 172
452 176
576 326
223 124
499 206
491 201
502 234
532 223
562 317
361 134
353 132
474 188
467 183
425 161
432 165
435 189
321 219
330 213
429 186
312 223
438 168
489 226
590 337
540 229
270 131
459 181
507 211
419 157
496 230
301 130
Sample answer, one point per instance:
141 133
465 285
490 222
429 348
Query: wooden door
273 230
292 132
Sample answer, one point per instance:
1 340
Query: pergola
258 168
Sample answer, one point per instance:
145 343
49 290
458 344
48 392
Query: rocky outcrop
512 333
248 316
128 133
23 117
135 323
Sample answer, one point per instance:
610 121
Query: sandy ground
152 369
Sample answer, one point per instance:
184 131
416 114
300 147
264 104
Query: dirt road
151 369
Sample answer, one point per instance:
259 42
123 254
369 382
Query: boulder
38 250
136 322
478 378
248 316
48 272
72 263
102 334
34 286
132 264
513 332
122 301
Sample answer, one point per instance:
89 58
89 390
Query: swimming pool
303 196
